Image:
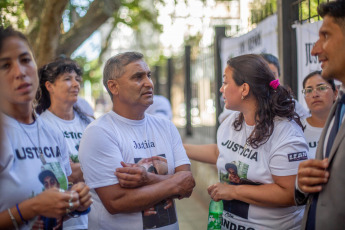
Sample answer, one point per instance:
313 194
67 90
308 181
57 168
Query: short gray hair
114 67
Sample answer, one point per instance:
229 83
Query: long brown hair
253 70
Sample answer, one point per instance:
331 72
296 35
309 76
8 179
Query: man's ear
113 86
245 89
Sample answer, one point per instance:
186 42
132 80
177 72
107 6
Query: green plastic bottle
215 213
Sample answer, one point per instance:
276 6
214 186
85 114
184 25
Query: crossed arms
138 190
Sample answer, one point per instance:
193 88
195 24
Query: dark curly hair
335 9
50 72
254 70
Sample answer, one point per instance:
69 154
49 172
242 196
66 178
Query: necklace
43 160
246 145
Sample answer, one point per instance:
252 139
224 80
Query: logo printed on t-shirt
72 135
239 149
144 144
33 152
299 156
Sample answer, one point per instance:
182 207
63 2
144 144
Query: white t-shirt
84 106
299 109
21 169
72 131
161 107
312 135
279 156
111 139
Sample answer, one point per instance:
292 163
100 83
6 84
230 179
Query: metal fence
203 83
307 10
204 97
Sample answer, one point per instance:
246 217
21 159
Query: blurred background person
28 144
85 107
59 83
319 94
161 107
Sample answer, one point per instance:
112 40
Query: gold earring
242 98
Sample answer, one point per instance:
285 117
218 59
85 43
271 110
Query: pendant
42 157
246 145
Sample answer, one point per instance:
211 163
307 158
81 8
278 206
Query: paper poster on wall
306 36
262 39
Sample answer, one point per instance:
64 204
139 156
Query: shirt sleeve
179 152
289 149
99 155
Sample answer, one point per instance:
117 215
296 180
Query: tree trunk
44 30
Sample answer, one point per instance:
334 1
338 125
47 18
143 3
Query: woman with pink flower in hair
264 140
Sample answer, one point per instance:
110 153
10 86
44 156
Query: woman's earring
242 98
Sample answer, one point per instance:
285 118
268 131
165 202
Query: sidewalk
192 213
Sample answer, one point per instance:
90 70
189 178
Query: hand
184 183
38 224
221 191
169 203
150 211
77 174
312 174
84 195
54 203
131 175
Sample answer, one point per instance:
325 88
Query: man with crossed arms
139 195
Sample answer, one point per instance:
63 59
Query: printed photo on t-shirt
236 174
157 216
51 176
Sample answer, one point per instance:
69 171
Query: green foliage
91 72
261 9
133 13
12 14
91 69
308 10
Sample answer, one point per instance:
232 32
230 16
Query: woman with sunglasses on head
319 95
59 83
261 145
30 148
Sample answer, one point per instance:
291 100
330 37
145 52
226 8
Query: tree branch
99 12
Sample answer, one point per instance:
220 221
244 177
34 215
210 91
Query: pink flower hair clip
274 84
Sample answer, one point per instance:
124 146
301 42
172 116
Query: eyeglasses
320 89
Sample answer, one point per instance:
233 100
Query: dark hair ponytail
42 96
271 102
